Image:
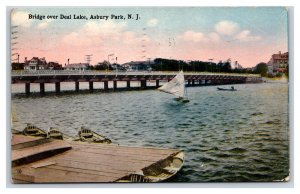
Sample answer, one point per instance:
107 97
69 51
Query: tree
226 67
261 69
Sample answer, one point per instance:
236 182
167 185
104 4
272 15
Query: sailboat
176 87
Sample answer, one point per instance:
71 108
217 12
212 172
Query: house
17 66
270 69
35 64
77 66
279 62
138 65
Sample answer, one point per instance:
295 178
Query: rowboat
55 133
157 172
32 130
227 89
87 135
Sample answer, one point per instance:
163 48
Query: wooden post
193 82
157 83
189 82
105 85
42 88
77 86
27 88
143 84
128 83
115 84
91 86
57 87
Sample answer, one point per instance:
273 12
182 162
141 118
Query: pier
58 76
40 160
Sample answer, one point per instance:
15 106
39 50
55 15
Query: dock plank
31 151
121 156
46 175
19 139
125 151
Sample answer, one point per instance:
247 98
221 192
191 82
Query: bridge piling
115 84
128 83
27 88
77 86
91 86
157 83
105 85
57 87
143 84
42 88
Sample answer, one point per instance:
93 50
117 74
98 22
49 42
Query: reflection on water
227 136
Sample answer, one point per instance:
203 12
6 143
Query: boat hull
225 89
32 130
158 172
87 135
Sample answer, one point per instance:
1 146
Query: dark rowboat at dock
45 160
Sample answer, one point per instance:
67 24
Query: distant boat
87 135
176 87
228 89
32 130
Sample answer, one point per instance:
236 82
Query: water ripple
227 137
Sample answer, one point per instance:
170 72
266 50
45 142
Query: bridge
58 76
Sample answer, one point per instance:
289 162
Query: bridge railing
116 73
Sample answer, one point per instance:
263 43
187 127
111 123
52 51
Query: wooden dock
40 160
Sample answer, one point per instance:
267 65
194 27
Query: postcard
149 94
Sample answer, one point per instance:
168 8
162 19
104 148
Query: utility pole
143 44
13 42
109 55
116 66
210 60
88 58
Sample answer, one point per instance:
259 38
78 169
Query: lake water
226 136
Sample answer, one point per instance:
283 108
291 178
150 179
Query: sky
249 35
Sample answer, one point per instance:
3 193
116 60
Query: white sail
176 86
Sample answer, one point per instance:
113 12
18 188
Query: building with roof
77 66
278 62
35 64
138 65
